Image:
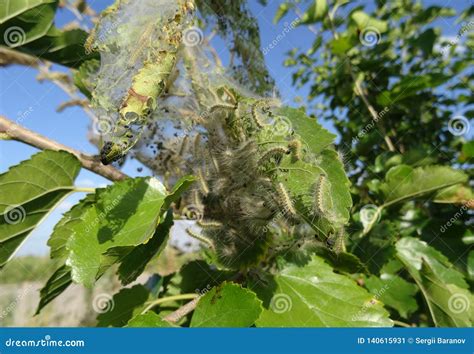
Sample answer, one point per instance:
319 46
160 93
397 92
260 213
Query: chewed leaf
138 54
315 296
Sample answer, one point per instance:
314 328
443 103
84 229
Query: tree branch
17 132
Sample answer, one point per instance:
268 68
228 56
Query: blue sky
23 98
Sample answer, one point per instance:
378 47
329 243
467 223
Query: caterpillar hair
202 182
229 94
209 224
184 146
222 106
336 241
199 237
318 194
255 115
197 145
295 148
273 153
285 201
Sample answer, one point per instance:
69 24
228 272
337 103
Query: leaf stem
402 324
169 299
84 190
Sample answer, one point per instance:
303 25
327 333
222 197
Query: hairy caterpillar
202 182
272 153
222 106
255 114
285 201
295 148
184 146
209 224
199 237
336 241
142 44
322 197
197 145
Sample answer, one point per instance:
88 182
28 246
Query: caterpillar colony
173 107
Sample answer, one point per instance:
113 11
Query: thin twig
19 133
174 317
359 88
169 299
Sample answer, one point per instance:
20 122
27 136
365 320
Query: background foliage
399 95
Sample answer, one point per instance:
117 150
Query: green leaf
315 296
134 263
467 151
377 247
470 265
304 181
315 12
179 188
412 252
29 192
62 231
84 77
126 214
405 182
227 305
432 13
365 21
149 319
197 276
441 284
124 305
62 47
312 134
282 11
425 41
341 45
54 287
23 21
28 26
450 306
457 194
409 86
394 292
